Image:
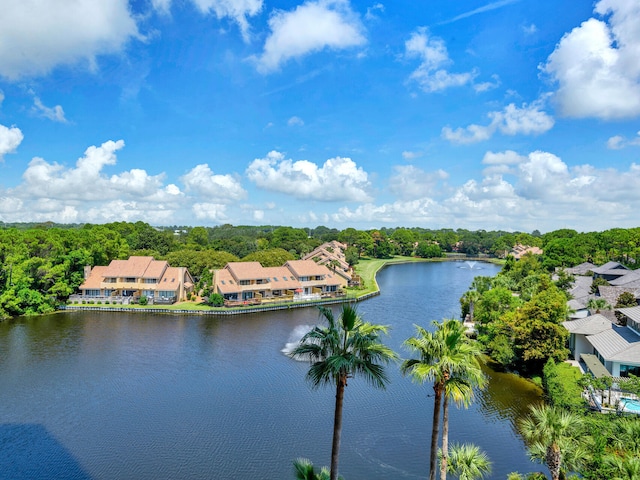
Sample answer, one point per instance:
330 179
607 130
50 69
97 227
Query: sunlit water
135 396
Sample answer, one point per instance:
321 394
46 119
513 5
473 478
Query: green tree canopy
273 257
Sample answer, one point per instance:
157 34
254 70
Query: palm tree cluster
347 347
448 358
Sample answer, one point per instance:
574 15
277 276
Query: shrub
561 385
83 302
106 302
91 302
143 300
215 300
99 302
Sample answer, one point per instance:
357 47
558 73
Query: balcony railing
298 297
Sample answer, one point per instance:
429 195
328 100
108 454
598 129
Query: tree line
42 264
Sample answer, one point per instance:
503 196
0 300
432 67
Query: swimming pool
630 405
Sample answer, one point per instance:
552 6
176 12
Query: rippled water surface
118 396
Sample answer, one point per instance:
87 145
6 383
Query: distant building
519 250
332 255
126 280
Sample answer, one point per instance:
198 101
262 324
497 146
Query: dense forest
42 264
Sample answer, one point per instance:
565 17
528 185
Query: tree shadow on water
29 451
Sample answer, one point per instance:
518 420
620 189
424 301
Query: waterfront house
314 278
616 347
249 283
127 280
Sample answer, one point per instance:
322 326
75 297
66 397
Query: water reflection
508 396
163 397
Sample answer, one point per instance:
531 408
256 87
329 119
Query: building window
130 280
245 282
625 370
150 280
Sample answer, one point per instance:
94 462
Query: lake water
90 395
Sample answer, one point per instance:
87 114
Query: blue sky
511 114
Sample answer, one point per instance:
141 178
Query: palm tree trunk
445 438
553 461
437 388
337 426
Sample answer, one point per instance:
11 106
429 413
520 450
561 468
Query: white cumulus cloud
311 27
10 138
222 188
37 36
541 191
87 180
529 119
431 75
338 179
596 65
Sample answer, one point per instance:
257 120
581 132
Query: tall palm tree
459 387
443 354
346 347
554 439
468 462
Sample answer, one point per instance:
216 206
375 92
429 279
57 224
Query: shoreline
370 278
